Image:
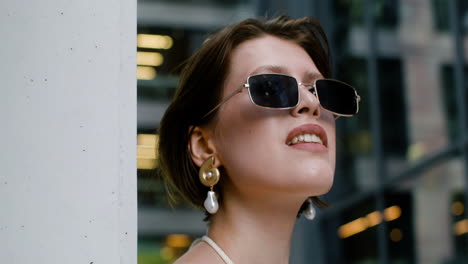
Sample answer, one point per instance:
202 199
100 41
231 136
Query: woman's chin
318 185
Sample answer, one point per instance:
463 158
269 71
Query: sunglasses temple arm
224 100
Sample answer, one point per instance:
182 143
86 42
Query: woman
247 139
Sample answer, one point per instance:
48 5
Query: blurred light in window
416 151
461 227
396 235
154 41
167 253
146 151
177 241
352 228
146 73
149 58
392 213
374 218
458 208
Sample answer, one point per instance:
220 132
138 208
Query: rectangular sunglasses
279 91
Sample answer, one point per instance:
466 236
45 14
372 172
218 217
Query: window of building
449 96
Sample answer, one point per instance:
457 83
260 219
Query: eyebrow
309 76
312 76
269 68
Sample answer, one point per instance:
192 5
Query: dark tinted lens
273 90
337 97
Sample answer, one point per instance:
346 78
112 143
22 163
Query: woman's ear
201 146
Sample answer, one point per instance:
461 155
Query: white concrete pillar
67 131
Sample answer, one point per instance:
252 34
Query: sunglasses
279 91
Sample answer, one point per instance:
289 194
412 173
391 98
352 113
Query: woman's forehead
270 54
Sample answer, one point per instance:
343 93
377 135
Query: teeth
309 138
315 138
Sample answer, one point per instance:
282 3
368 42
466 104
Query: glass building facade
400 186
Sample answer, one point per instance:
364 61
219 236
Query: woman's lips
309 137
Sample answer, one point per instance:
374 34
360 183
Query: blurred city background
401 180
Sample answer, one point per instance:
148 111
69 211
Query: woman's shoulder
201 253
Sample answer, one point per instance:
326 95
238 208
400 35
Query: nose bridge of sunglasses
305 89
309 87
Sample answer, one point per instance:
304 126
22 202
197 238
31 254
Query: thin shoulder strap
215 247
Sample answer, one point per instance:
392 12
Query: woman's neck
255 231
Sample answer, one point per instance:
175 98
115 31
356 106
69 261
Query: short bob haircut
200 89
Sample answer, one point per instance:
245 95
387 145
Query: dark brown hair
200 89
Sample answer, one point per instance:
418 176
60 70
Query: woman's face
253 144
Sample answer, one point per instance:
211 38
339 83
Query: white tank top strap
215 247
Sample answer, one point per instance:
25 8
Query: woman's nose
308 102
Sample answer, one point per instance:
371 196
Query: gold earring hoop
209 176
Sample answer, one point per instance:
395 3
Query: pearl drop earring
209 176
309 212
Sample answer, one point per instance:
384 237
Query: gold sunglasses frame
311 85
